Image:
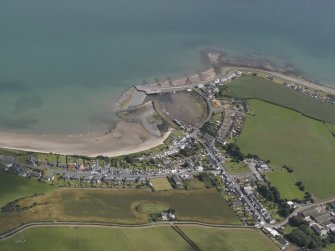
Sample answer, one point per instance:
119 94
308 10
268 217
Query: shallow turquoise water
64 63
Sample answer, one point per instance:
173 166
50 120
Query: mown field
229 239
285 182
102 239
259 88
13 187
119 206
287 137
160 184
158 238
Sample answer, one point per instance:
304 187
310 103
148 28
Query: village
195 151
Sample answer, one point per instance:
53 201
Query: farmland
229 239
288 138
13 187
251 87
119 206
285 182
156 238
88 239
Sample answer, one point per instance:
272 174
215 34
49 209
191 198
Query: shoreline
127 138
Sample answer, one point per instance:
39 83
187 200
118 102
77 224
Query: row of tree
272 194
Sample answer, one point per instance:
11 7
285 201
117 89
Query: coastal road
24 227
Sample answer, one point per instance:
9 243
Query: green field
160 184
263 89
89 239
146 239
229 239
236 168
286 137
13 187
285 182
119 206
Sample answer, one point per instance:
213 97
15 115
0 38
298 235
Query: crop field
259 88
118 206
285 182
160 184
229 239
102 239
287 137
13 187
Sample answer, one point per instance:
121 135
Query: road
24 227
231 179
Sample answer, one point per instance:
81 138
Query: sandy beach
127 138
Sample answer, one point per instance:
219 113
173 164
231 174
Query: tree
296 221
298 183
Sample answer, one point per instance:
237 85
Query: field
13 187
285 182
119 206
160 184
88 239
194 183
157 238
236 168
229 239
286 137
259 88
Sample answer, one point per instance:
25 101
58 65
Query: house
176 180
323 218
309 212
108 179
118 180
130 179
83 168
283 243
331 227
72 165
48 178
319 229
142 180
32 160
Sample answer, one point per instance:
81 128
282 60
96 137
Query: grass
88 239
119 206
285 182
157 238
330 247
286 137
13 187
194 183
229 239
236 168
160 184
259 88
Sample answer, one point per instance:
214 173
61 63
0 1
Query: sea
64 63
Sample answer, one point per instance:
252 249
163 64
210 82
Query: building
319 229
331 227
283 243
176 180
